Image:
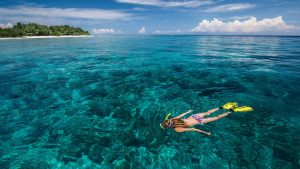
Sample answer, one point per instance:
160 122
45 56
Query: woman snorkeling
182 125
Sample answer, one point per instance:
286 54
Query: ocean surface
97 102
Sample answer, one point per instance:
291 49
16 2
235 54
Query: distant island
33 29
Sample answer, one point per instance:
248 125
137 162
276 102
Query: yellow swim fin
229 105
243 109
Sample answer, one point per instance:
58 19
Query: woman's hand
189 111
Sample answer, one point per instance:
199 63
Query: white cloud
139 9
105 31
230 7
8 25
251 25
172 3
142 30
140 2
238 17
57 13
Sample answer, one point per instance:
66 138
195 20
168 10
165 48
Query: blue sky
160 16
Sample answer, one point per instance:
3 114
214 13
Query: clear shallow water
97 102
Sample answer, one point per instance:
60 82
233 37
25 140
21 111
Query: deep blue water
97 102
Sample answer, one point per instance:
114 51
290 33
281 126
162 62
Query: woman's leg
209 112
211 119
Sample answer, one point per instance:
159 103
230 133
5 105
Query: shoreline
45 37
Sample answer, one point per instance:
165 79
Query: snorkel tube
167 117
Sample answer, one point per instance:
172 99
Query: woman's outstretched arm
183 114
180 129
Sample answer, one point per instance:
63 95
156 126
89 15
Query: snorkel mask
167 118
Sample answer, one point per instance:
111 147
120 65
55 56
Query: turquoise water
97 102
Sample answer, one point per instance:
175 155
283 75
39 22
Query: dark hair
176 123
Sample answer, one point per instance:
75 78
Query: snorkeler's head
166 124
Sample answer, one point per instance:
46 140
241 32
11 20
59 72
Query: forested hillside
33 29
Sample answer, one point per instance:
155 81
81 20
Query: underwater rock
121 164
264 157
95 153
167 153
94 91
213 161
31 165
178 68
281 164
110 154
67 159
